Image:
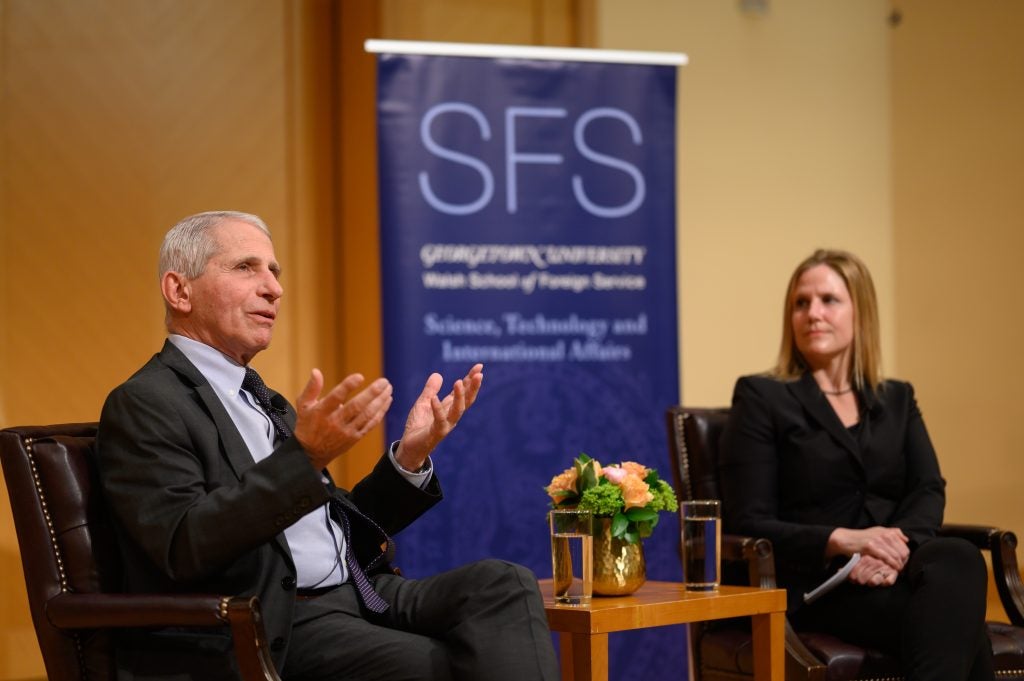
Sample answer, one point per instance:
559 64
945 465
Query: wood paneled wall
119 117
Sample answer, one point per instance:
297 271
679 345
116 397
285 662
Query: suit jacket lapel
235 449
232 444
808 393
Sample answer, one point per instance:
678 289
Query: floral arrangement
628 493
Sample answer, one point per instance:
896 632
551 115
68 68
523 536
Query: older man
218 485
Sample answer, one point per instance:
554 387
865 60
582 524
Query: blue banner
528 222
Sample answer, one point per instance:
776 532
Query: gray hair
188 246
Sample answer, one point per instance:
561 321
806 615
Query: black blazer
791 472
195 513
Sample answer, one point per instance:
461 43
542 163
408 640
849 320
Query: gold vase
619 567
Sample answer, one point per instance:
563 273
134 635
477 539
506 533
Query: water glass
572 555
702 544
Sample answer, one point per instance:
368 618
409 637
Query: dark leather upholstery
723 652
72 563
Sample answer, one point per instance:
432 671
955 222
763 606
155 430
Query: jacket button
288 583
277 644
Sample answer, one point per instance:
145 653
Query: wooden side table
583 631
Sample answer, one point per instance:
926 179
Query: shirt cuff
420 478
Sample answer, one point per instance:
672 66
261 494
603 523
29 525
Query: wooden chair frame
71 564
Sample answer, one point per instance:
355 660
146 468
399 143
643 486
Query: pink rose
614 474
633 467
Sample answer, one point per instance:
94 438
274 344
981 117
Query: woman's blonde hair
866 368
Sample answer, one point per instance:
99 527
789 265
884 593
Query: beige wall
958 174
784 147
812 124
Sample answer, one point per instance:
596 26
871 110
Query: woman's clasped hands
883 553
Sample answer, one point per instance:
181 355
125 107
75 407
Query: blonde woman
827 460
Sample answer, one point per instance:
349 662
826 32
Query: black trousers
933 617
483 621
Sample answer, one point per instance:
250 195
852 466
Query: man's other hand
431 419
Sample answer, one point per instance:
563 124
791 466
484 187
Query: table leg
584 656
769 646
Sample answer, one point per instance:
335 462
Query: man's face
234 302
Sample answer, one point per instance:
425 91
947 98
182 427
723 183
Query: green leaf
619 524
641 514
587 477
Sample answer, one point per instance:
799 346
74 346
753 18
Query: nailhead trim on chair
55 546
222 609
46 514
685 454
1004 674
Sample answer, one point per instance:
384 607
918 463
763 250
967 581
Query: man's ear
177 291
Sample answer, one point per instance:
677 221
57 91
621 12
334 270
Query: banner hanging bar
525 52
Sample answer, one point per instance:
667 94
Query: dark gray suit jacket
791 472
195 514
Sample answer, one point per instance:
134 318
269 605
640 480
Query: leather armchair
724 653
72 563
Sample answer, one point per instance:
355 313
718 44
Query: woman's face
823 318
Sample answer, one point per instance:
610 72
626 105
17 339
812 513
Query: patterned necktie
370 598
258 389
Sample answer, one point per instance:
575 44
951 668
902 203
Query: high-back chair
72 564
724 653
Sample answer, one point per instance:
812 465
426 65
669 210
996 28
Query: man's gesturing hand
431 419
328 426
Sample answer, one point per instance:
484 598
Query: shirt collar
223 373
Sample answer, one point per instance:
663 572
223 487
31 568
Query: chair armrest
979 535
100 610
95 611
759 556
756 553
1005 571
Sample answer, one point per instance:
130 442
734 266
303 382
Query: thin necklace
837 393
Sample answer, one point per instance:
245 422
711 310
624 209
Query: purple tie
370 598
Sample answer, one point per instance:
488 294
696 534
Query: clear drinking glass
702 544
572 555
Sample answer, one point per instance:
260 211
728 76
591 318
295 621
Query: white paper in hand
833 581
